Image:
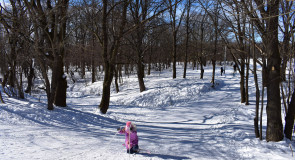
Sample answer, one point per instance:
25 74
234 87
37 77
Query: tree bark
290 118
106 91
174 27
30 78
256 128
274 131
61 87
187 37
216 12
140 74
2 101
174 58
110 57
139 14
267 24
116 78
201 50
247 80
49 32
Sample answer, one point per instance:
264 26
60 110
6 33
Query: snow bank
176 119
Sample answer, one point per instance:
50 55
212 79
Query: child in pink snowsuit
131 138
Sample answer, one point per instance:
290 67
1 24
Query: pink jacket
133 138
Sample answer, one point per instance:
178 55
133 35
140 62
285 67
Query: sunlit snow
176 119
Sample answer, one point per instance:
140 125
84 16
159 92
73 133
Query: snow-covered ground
176 119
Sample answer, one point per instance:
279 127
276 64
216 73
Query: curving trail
176 119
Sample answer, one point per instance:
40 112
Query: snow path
200 128
176 119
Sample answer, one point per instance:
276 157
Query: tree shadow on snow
162 156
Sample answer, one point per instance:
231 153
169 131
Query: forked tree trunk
110 57
50 30
139 14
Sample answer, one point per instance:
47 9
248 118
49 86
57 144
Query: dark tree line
51 39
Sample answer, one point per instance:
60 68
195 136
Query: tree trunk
2 101
286 7
213 73
242 82
150 61
116 78
106 91
187 38
59 82
49 30
290 118
201 50
174 29
61 87
61 96
274 131
247 80
140 74
215 42
202 70
257 101
30 78
174 53
108 73
256 128
19 85
110 57
93 65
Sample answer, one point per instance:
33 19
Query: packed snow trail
176 119
191 130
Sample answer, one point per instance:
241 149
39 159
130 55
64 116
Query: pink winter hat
128 124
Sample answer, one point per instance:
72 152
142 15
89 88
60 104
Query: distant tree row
52 38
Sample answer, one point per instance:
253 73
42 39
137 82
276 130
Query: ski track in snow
176 119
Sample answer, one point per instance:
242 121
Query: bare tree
200 33
112 31
109 55
266 21
49 21
288 54
286 16
215 17
175 25
13 21
187 23
256 119
139 13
